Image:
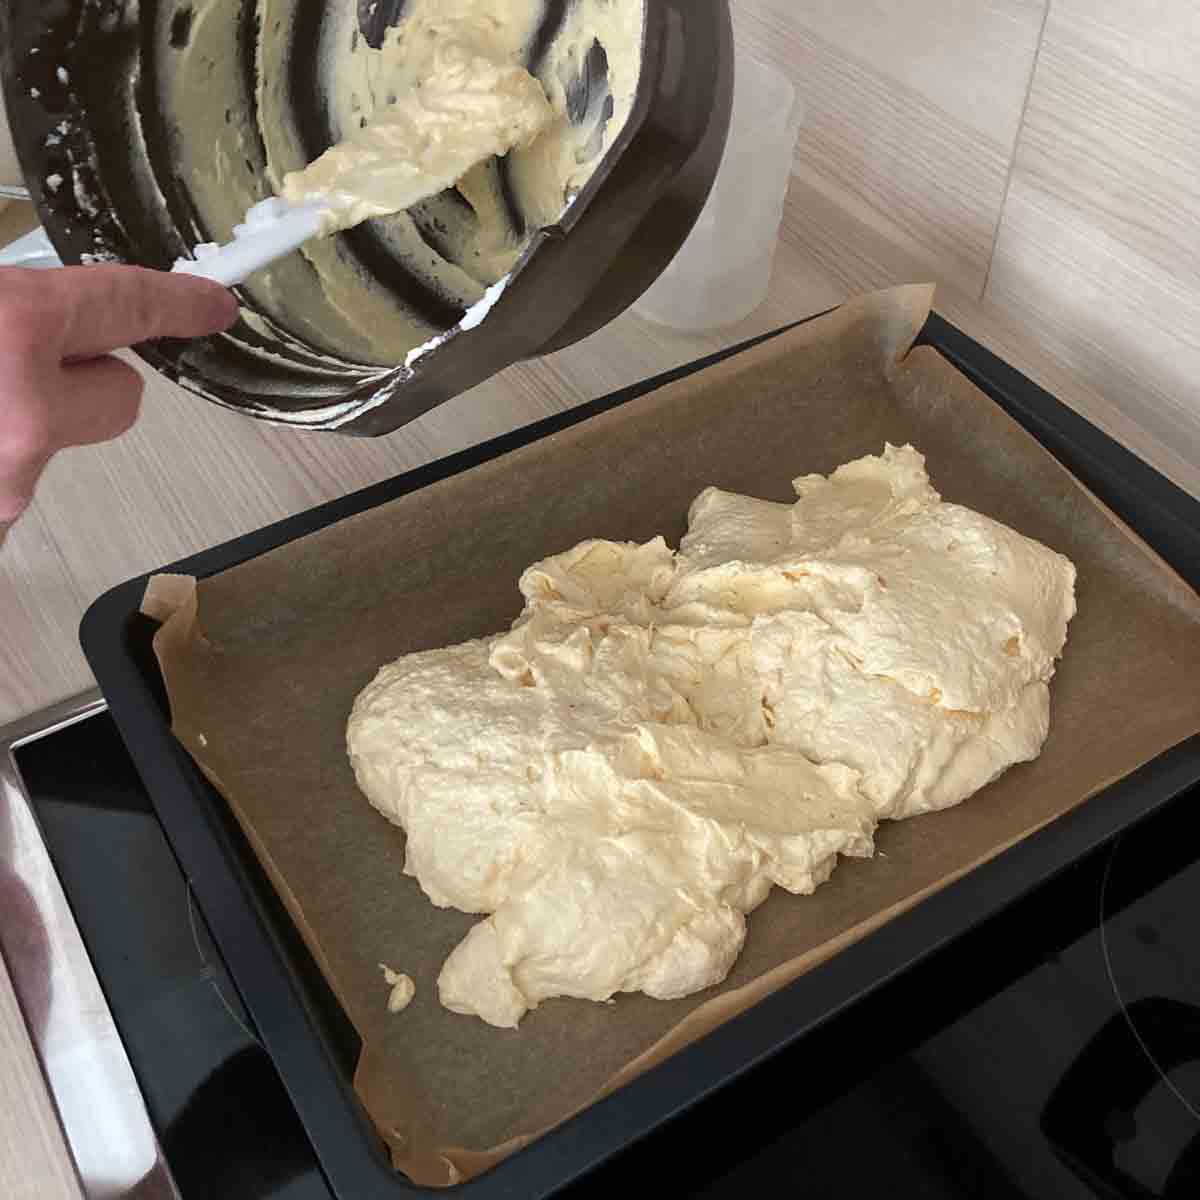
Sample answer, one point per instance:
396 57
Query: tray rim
350 1152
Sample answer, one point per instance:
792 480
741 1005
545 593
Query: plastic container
723 272
33 250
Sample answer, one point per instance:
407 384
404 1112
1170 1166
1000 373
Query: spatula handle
272 230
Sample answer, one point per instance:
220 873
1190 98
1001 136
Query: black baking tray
302 1026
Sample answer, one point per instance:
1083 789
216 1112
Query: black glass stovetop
1055 1052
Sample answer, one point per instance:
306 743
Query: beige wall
1041 161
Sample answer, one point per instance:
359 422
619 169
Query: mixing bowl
92 89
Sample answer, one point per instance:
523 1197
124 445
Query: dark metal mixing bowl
81 88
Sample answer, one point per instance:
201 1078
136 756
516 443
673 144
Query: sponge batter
451 100
662 738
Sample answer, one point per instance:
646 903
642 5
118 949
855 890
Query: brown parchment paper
263 662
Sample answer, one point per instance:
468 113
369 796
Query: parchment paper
263 663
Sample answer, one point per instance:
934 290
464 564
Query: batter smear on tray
663 737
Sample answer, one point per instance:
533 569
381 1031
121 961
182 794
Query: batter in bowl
319 83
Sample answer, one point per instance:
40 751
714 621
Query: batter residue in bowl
255 92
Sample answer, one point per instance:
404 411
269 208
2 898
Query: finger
108 307
97 401
92 402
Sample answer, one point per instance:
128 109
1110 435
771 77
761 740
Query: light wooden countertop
1040 161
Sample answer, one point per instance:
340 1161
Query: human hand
58 385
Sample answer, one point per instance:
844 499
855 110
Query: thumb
98 401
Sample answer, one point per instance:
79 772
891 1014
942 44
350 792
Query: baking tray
301 1024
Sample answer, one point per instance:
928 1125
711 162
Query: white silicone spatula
272 229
